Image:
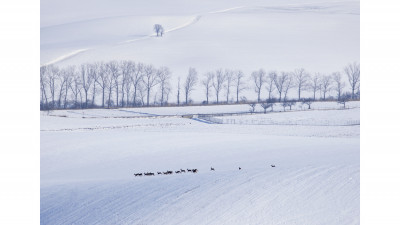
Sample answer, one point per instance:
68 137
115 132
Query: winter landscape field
88 166
297 165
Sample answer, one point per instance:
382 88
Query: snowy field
89 157
88 166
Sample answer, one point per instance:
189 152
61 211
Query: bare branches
218 82
207 83
339 84
239 83
190 82
272 76
315 83
353 74
280 82
301 79
230 79
126 83
258 79
150 80
326 84
158 29
164 76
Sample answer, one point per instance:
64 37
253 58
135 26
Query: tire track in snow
66 56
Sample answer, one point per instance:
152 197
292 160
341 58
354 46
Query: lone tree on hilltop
158 29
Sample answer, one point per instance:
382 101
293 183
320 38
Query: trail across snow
66 56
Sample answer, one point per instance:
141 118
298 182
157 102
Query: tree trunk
103 97
148 96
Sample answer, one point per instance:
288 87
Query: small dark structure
212 169
194 170
272 165
240 168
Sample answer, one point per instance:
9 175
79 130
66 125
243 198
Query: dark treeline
131 84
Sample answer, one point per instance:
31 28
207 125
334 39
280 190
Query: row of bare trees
303 81
127 84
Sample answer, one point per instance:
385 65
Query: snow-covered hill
318 35
87 175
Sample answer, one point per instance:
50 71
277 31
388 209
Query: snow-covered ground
88 166
89 157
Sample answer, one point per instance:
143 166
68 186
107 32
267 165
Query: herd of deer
178 171
166 173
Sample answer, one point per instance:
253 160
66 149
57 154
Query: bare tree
266 106
43 86
124 70
259 79
207 82
53 75
315 83
339 84
239 83
76 87
307 101
63 80
94 71
126 84
141 93
150 80
87 81
280 82
301 80
179 91
287 86
109 82
326 84
136 79
270 83
230 79
113 69
344 99
353 74
164 76
218 82
158 29
252 107
102 80
167 93
71 72
190 82
288 104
